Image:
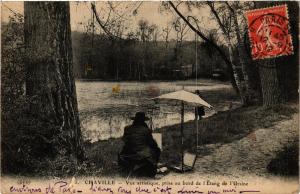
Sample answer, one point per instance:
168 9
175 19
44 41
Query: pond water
106 107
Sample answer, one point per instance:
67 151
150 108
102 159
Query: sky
147 10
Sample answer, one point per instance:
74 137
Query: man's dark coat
140 147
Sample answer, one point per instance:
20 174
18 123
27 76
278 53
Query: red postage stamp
269 32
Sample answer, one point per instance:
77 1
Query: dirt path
249 155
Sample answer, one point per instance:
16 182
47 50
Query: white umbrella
184 97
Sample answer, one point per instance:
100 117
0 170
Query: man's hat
140 116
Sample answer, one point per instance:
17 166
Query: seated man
140 153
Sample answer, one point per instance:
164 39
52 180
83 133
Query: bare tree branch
167 31
107 17
223 55
15 13
221 24
179 4
101 24
119 15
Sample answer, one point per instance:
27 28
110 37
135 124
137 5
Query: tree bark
50 81
271 85
251 94
271 90
237 78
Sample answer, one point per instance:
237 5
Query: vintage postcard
150 97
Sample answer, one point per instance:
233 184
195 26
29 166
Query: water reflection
105 110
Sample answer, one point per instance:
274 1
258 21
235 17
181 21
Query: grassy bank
223 127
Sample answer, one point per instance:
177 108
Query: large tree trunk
271 85
271 90
50 81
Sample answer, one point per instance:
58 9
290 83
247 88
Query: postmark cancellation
269 34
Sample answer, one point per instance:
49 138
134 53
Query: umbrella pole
181 128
